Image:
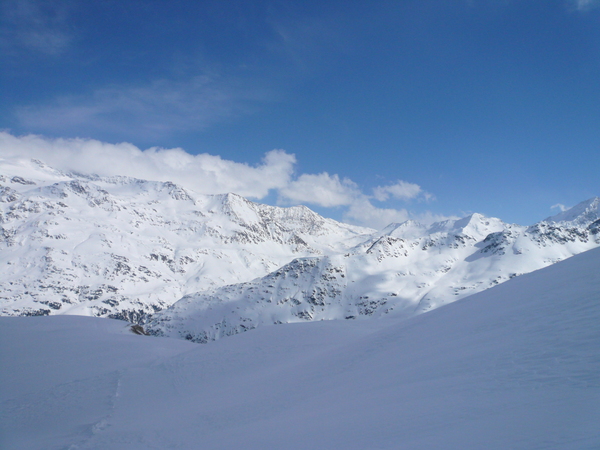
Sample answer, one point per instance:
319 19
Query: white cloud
402 190
203 173
321 189
330 191
211 174
363 212
559 206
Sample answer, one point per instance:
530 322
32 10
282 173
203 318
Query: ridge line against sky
386 110
210 174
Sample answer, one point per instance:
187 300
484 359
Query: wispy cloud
192 92
585 5
305 41
34 25
153 110
211 174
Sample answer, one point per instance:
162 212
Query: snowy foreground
514 367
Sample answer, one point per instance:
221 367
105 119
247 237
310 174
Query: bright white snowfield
514 367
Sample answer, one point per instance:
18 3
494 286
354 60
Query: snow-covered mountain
514 367
201 267
124 248
405 270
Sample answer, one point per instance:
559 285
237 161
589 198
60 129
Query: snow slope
515 367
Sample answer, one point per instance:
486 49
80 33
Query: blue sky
392 109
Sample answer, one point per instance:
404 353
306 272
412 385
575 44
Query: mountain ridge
385 275
124 247
141 250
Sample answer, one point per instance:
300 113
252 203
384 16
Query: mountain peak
408 229
469 220
585 212
474 224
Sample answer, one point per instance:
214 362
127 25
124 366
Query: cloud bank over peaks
203 173
329 191
321 189
211 174
363 212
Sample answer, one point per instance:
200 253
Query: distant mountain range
201 267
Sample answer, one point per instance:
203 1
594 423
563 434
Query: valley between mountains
201 267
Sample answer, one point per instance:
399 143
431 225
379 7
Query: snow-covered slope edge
513 367
405 270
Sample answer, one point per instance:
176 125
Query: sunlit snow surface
514 367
